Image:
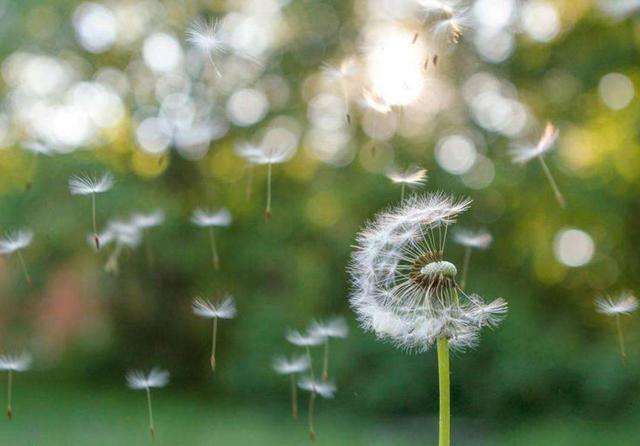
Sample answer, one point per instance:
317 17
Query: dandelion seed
412 177
226 309
375 102
205 219
15 242
342 74
137 380
336 327
124 234
206 37
446 15
471 240
260 155
524 154
37 148
85 185
404 290
292 367
146 222
324 389
14 363
624 303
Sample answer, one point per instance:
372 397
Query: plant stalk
552 182
444 381
623 353
294 396
152 428
267 211
213 344
9 409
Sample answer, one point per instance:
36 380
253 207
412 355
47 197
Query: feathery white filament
138 380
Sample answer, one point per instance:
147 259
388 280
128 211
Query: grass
67 415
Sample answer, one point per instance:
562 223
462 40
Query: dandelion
14 363
342 73
405 292
260 155
624 303
226 309
206 37
292 367
412 177
137 380
335 327
471 240
375 102
205 219
524 154
324 389
86 185
146 222
15 242
446 15
124 234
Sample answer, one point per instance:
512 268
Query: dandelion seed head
375 102
525 153
335 327
225 309
480 239
15 241
624 303
157 377
403 289
221 217
16 362
324 389
86 185
206 37
304 339
438 8
413 176
150 220
261 154
289 366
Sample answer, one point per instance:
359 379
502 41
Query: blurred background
89 87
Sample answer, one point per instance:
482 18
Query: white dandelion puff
207 38
446 16
480 239
225 309
86 185
335 327
525 153
145 222
14 363
292 367
138 380
261 155
14 243
123 234
404 290
375 102
623 304
412 177
314 387
342 74
304 339
212 219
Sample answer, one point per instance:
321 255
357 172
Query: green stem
213 344
465 266
552 182
152 428
214 250
267 211
9 409
325 365
402 192
623 353
312 400
294 396
95 225
24 267
444 438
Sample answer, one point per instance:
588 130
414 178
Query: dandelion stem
325 365
214 250
312 400
213 344
310 362
465 266
152 428
95 225
552 182
294 396
24 267
267 211
345 96
9 409
623 353
402 192
444 438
